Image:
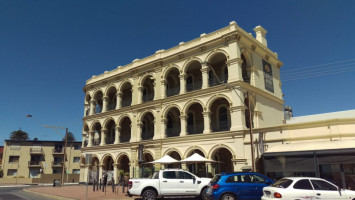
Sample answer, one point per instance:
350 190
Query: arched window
223 119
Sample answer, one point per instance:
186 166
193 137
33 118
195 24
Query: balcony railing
57 163
36 150
197 85
195 128
126 102
172 91
214 81
58 151
111 106
34 163
96 142
220 126
147 135
172 132
148 97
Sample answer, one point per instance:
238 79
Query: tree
70 137
19 135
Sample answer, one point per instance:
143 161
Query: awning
312 146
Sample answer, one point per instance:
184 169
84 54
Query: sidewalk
79 192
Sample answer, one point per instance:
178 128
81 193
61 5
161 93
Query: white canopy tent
197 158
165 160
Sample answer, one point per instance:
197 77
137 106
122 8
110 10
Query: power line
313 66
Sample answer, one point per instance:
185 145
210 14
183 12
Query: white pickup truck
169 182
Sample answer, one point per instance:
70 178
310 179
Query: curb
48 195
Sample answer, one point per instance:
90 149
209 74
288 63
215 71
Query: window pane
169 175
184 175
322 185
303 184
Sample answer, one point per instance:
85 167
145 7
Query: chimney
260 35
288 112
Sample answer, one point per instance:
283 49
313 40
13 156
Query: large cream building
191 98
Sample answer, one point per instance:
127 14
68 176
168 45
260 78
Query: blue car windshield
216 178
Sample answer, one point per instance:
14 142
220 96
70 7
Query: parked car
237 185
297 188
168 182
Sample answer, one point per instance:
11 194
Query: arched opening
197 168
173 125
245 71
176 156
96 139
148 126
224 158
195 119
194 76
99 102
147 169
110 132
112 99
124 163
172 83
108 168
125 125
148 89
220 115
86 136
94 170
126 95
219 74
87 105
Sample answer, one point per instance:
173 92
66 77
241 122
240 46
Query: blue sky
48 49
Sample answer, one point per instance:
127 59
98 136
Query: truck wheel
149 195
228 197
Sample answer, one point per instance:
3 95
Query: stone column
234 63
103 137
155 91
156 132
206 122
86 107
119 100
183 124
237 118
253 74
117 134
92 107
163 128
91 133
182 83
139 95
100 172
139 132
104 104
163 89
205 69
83 141
115 173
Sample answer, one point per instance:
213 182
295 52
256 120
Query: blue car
237 186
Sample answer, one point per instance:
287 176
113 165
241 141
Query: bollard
97 185
100 183
93 189
113 184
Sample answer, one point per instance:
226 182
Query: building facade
198 97
34 159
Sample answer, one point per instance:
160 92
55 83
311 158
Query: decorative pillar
103 137
117 134
256 117
91 133
234 63
163 89
139 94
253 74
115 173
183 124
92 107
139 132
206 122
83 141
104 104
100 172
156 135
119 100
163 128
155 91
86 107
205 69
182 83
237 114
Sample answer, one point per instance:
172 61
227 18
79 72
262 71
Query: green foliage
147 172
1 173
70 137
121 172
19 135
126 173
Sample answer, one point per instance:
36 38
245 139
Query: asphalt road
17 193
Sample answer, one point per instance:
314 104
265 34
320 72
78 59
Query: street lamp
65 146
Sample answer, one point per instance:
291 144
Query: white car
297 188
